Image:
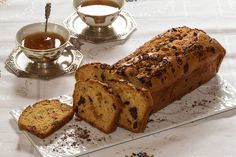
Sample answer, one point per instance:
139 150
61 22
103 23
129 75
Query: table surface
211 137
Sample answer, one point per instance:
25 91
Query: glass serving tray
77 137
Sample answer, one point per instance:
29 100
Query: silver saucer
120 29
18 64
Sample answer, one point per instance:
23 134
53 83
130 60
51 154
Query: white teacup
47 55
94 18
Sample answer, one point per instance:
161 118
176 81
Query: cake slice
137 105
97 71
45 117
94 102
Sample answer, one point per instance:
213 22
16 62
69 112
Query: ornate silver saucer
18 64
120 29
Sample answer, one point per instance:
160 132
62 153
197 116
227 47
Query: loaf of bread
169 66
172 64
45 117
137 105
95 102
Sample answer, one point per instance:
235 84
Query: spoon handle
47 14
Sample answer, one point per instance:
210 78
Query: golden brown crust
85 113
39 125
97 71
170 57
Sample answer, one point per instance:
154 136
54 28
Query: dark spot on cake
76 109
102 76
199 83
174 30
54 123
191 88
174 47
194 34
145 56
126 102
149 83
81 100
157 47
186 80
135 125
133 112
90 99
186 67
165 62
171 39
114 106
211 49
173 70
159 74
179 60
104 66
185 50
162 80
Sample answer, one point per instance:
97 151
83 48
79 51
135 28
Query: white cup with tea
41 47
98 13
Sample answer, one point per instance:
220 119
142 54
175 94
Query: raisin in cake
172 64
137 105
94 102
45 117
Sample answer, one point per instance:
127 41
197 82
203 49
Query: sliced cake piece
137 105
45 117
97 71
94 102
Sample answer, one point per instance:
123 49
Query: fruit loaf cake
172 64
94 102
45 117
137 105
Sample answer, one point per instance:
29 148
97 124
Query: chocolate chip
211 49
126 102
179 60
90 99
145 56
75 108
81 100
104 66
171 39
174 47
114 106
173 29
135 125
102 76
186 67
173 70
194 34
55 123
159 74
133 112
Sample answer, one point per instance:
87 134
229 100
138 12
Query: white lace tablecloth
212 137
